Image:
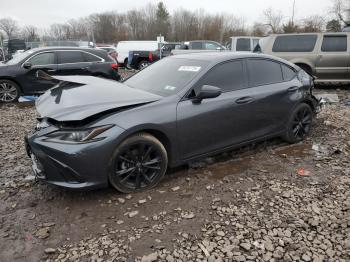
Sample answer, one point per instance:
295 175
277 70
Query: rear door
72 62
333 57
45 61
274 90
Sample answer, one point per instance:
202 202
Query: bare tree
315 23
9 26
274 20
341 8
30 33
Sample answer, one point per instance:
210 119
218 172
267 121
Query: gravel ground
246 205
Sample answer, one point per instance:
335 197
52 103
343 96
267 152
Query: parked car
243 43
18 75
179 109
124 47
198 46
323 55
142 59
111 50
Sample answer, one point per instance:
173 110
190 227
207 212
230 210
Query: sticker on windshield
171 88
189 68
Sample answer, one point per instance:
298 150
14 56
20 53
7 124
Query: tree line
153 19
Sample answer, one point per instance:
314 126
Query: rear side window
228 76
243 44
43 59
91 58
196 45
264 72
294 43
68 57
288 72
334 43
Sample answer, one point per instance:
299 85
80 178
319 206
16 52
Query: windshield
168 76
18 58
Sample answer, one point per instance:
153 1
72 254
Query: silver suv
323 55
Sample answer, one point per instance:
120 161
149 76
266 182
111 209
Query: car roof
217 57
48 48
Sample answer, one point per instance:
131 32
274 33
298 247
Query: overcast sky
42 13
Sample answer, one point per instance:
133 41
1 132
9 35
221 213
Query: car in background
111 50
198 46
124 47
18 76
243 43
141 59
323 55
179 109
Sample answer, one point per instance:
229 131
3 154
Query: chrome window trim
52 51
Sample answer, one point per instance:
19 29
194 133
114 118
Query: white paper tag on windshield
189 68
172 88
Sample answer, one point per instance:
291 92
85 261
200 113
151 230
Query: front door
217 122
43 61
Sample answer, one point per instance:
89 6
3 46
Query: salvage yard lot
246 205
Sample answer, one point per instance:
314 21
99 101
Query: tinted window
243 44
288 73
228 76
263 72
334 43
43 59
91 58
168 76
196 45
66 57
294 43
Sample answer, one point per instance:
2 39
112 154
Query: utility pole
293 12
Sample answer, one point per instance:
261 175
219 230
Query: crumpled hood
76 98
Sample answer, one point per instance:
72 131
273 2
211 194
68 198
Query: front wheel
9 91
139 163
299 124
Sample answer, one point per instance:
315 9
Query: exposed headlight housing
75 136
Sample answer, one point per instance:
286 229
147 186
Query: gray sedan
95 132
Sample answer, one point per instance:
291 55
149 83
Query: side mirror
27 65
206 92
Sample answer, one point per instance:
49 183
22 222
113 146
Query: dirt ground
246 205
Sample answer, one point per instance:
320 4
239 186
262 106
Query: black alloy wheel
299 125
140 162
9 91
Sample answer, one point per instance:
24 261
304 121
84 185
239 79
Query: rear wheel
139 163
9 91
143 64
299 124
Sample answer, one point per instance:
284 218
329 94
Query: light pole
293 13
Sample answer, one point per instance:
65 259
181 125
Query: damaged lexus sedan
94 132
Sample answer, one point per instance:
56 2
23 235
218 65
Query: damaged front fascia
88 120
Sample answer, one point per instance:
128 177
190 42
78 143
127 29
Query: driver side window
43 59
211 46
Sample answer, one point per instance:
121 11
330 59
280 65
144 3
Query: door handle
293 89
244 100
51 70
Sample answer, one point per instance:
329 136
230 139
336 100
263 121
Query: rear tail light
114 66
150 56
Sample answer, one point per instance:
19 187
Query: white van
243 43
124 47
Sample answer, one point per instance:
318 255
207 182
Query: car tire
139 163
299 124
143 64
9 91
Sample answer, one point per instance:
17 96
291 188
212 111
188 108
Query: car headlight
77 136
